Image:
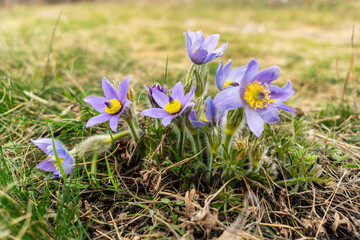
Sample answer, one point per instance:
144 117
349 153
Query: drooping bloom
170 107
209 118
258 96
201 50
225 77
150 93
50 164
111 106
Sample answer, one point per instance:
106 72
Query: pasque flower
111 106
170 107
50 164
201 50
209 118
258 96
225 77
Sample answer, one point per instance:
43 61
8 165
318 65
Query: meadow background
44 74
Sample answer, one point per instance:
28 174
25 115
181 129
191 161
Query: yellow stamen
227 83
257 95
115 106
203 118
195 50
55 162
173 107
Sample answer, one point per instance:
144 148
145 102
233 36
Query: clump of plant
200 136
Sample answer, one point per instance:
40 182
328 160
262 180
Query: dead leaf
340 219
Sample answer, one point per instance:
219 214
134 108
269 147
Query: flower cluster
243 91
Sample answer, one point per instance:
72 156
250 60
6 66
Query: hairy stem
181 143
196 141
120 135
227 141
133 131
189 73
209 166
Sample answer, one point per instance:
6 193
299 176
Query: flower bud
97 143
235 120
87 148
131 94
256 156
241 145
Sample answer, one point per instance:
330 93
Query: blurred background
310 40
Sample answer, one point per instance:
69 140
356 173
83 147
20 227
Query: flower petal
46 145
178 92
215 54
160 98
283 106
114 121
211 113
156 113
220 78
237 74
229 98
47 165
98 119
210 42
189 45
269 114
267 75
43 143
193 120
68 164
197 38
281 94
189 104
199 56
251 69
220 50
166 121
60 151
109 90
190 95
126 104
222 73
98 103
226 69
221 117
123 89
254 121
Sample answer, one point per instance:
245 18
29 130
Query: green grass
116 40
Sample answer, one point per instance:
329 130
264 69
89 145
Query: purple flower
111 106
50 164
209 118
259 98
158 87
170 107
201 50
225 77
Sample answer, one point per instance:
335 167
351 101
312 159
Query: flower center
195 50
55 162
227 83
113 106
257 95
203 118
173 106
